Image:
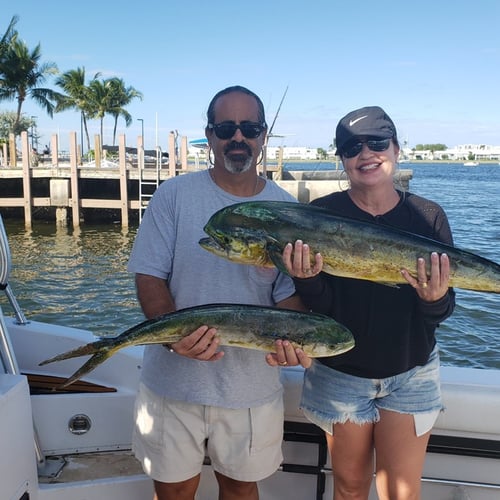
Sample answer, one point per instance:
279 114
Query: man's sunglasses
376 145
226 130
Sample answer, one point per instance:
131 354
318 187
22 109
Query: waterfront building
292 153
461 152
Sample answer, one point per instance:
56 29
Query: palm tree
121 96
8 119
21 75
77 96
108 97
98 102
8 36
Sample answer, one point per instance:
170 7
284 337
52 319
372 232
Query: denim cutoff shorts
330 396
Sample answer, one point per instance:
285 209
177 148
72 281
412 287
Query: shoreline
444 162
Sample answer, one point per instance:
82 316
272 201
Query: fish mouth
238 246
217 238
209 243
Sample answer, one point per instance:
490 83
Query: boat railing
7 355
5 268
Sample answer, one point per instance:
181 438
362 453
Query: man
194 398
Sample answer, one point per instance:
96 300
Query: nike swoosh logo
352 122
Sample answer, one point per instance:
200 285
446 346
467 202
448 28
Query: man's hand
202 345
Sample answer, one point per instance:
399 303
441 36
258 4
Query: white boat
471 164
76 444
199 143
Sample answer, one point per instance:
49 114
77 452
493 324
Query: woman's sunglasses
226 130
376 145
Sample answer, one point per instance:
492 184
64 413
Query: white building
292 153
461 152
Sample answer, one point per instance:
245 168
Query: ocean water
78 277
470 196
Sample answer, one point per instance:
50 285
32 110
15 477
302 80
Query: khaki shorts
171 438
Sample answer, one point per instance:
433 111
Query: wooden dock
70 190
69 185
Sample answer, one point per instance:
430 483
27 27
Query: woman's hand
436 286
287 355
297 260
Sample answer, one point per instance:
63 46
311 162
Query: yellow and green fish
238 325
256 233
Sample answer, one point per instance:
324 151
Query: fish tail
98 358
84 350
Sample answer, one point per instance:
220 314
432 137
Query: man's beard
239 163
236 166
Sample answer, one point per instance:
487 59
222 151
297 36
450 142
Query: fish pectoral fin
275 252
384 283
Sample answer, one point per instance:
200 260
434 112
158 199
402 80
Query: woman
383 396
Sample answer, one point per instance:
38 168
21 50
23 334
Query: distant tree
322 154
76 96
21 77
431 147
7 124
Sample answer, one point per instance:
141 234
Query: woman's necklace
257 180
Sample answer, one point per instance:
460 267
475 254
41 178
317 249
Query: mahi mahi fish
256 233
238 325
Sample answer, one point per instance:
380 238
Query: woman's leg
351 452
400 456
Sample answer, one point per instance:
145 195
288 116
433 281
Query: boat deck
89 466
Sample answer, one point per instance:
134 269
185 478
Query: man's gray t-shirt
167 247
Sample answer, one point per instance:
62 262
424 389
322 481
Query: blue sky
433 65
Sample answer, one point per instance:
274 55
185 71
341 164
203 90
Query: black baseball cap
370 121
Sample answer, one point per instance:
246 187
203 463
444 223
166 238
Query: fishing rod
270 134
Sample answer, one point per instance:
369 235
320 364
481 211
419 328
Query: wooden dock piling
17 184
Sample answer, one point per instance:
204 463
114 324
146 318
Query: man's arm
292 302
154 295
155 299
